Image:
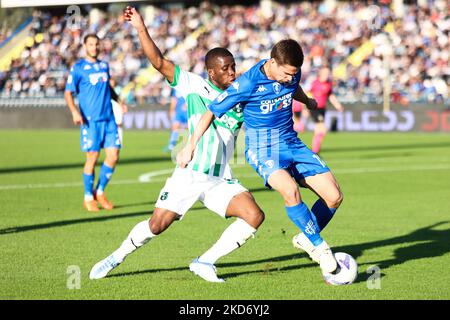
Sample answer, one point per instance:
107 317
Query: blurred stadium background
390 63
390 53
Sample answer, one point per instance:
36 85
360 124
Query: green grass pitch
395 216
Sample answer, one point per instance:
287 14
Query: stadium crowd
329 32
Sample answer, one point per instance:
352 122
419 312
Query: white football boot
102 268
321 254
300 241
206 271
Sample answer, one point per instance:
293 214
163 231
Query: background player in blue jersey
178 116
273 149
89 79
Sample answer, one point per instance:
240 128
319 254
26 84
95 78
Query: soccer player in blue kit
89 79
178 116
273 149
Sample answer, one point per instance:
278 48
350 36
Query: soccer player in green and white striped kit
208 177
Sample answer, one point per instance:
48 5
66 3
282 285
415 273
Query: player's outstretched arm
185 155
76 116
301 96
335 102
154 55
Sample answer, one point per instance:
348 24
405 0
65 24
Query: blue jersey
271 142
180 107
90 81
267 105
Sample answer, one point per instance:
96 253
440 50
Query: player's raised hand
77 118
132 16
184 157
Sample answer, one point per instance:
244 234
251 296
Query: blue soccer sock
322 214
302 217
173 138
88 180
105 175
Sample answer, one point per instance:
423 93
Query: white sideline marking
150 177
147 177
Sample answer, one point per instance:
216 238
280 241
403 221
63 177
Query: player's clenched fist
184 157
132 15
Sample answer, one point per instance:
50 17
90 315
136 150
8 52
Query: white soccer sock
138 236
232 238
120 131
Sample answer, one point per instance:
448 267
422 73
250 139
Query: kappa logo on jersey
94 78
236 86
276 87
261 88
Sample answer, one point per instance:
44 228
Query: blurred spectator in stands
329 31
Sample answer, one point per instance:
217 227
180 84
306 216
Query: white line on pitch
150 177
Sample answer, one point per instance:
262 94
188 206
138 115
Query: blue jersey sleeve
239 91
72 80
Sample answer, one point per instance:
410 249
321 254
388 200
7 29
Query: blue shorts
96 135
293 156
180 117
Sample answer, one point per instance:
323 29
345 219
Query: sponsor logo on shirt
282 102
94 78
236 86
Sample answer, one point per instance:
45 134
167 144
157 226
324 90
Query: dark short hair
90 35
288 52
215 53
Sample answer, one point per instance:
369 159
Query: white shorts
186 186
118 113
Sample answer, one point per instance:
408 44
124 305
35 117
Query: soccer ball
346 272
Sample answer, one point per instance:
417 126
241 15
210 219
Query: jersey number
320 160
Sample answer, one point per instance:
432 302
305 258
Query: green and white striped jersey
217 144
